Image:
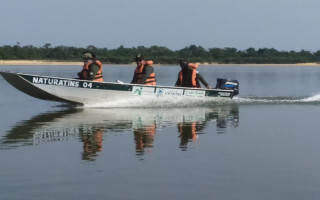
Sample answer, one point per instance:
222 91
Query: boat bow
25 86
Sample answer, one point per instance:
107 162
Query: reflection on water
144 137
90 125
92 144
188 132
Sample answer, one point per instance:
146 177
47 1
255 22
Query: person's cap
138 58
87 55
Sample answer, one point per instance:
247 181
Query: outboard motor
226 84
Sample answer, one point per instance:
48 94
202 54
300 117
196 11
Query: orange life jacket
138 73
87 68
194 80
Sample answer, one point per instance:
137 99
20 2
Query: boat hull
75 91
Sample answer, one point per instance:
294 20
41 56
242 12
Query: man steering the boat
189 76
92 68
144 72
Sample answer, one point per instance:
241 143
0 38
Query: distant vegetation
160 54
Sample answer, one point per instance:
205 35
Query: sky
281 24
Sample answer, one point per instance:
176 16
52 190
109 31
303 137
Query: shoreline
47 62
37 62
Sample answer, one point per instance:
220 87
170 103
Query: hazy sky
281 24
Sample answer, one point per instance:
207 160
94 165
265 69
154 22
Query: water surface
264 144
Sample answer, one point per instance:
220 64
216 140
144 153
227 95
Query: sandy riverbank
49 62
37 62
296 64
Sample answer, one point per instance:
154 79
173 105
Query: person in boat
189 76
92 68
144 72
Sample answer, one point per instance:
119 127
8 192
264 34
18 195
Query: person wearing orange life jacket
189 76
144 72
92 68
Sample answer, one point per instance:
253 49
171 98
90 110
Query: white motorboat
82 92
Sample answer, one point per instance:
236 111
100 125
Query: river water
264 144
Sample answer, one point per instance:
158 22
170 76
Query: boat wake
315 99
156 103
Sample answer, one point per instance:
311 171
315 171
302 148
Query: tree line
159 54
